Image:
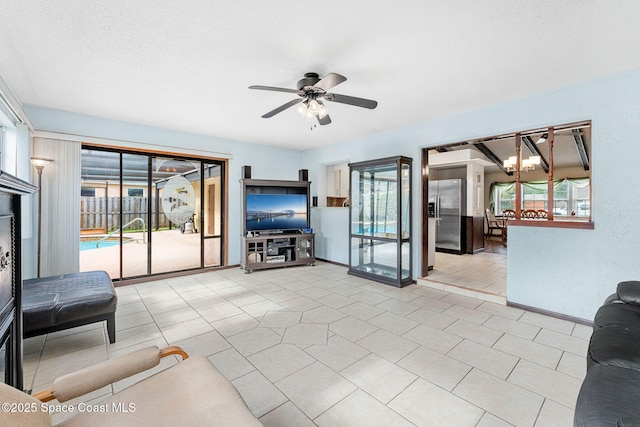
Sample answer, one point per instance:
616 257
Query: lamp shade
40 162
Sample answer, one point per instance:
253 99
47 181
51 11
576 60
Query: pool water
88 244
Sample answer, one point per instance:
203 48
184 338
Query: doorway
460 259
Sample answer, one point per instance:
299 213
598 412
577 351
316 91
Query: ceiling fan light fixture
314 107
313 91
311 108
322 112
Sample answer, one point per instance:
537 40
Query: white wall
16 160
259 157
337 181
569 271
475 190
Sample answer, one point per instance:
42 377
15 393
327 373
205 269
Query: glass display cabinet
380 216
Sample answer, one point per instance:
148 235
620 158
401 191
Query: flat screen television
276 208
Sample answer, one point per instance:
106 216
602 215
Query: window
87 192
505 196
570 197
135 192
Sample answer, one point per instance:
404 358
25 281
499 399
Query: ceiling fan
311 91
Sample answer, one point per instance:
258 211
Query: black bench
56 303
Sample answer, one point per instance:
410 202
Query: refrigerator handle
438 209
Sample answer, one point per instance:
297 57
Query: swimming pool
88 243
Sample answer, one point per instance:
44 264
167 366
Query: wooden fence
103 213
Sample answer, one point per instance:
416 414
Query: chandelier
526 165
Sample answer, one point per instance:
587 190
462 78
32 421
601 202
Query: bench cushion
191 393
56 300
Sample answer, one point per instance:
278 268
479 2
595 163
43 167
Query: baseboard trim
170 275
332 262
551 313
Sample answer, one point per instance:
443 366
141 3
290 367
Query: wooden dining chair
509 214
529 214
542 213
494 224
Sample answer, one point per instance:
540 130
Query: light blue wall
330 226
117 133
562 270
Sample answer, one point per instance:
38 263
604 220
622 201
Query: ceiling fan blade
275 89
324 120
351 100
329 81
281 108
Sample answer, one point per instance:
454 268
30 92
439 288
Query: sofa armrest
629 292
81 382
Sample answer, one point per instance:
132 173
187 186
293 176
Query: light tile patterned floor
314 346
482 275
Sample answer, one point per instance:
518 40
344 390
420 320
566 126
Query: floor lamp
39 163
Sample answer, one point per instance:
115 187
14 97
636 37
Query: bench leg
111 327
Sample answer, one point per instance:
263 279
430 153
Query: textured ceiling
187 65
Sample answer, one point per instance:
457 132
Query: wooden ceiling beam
491 156
582 148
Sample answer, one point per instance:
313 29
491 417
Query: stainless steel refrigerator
447 202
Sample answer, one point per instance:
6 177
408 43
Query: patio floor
171 251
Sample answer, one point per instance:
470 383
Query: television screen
272 211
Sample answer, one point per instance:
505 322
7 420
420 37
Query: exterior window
87 192
506 197
534 196
570 197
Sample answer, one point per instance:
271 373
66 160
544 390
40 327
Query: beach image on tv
276 211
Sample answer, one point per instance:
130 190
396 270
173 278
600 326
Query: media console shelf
270 251
275 214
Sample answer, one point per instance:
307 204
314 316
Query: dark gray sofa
610 392
55 303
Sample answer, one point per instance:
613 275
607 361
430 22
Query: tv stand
277 250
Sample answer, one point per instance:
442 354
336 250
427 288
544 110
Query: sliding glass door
178 186
213 214
134 201
145 214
